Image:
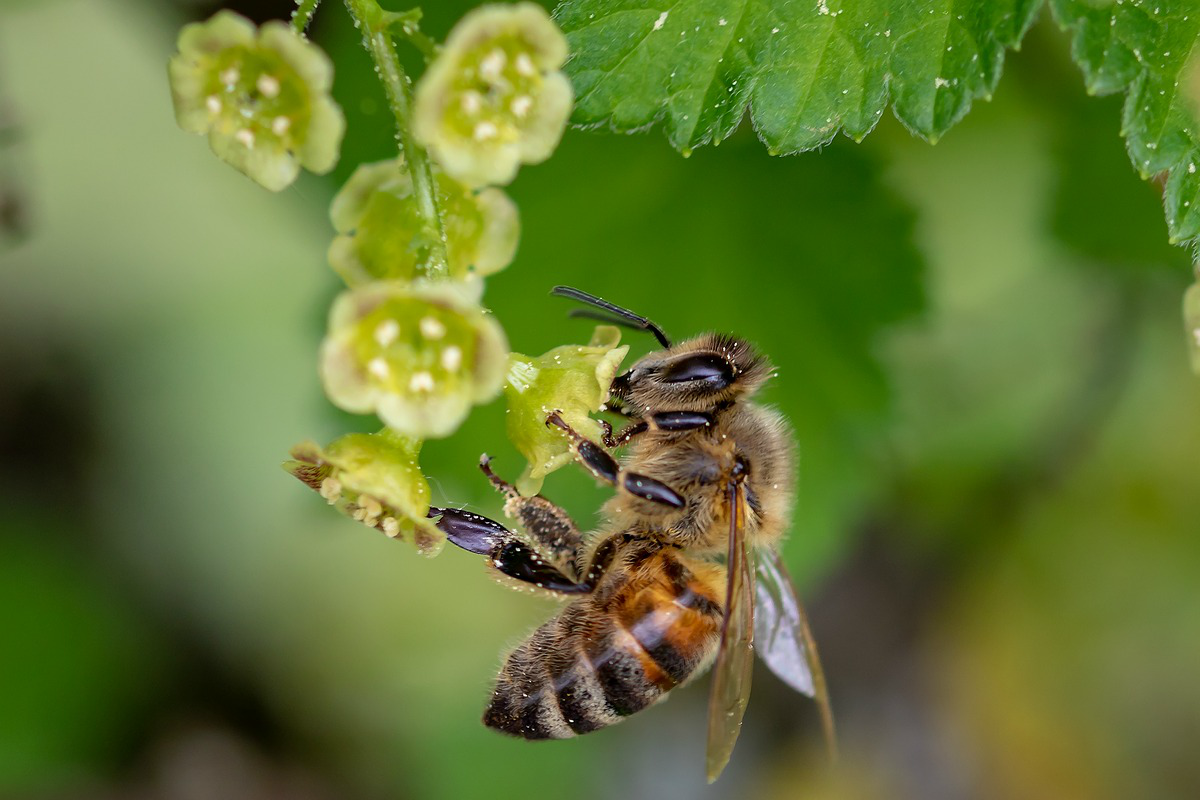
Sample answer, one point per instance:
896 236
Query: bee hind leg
549 526
506 553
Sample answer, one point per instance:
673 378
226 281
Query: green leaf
805 69
1101 210
1146 50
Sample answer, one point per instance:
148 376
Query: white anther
421 382
432 328
331 489
471 102
246 137
521 104
280 125
492 64
391 526
386 332
268 86
525 65
485 130
213 103
378 367
452 357
371 508
230 76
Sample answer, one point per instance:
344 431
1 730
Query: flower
260 94
495 97
382 234
573 380
418 355
373 478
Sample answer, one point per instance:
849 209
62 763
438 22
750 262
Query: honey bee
669 582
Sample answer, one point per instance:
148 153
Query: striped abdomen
648 627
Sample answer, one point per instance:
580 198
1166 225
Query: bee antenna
616 315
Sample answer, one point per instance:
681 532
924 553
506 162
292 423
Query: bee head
700 374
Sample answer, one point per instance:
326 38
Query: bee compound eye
705 368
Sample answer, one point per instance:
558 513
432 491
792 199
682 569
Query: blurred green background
978 343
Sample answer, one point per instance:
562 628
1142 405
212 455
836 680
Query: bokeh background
979 344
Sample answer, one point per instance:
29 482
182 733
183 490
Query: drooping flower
573 380
495 97
417 355
373 478
261 95
381 235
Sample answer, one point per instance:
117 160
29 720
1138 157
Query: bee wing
783 639
735 659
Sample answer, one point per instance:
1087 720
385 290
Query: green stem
408 25
303 14
372 20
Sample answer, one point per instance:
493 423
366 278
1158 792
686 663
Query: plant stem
303 14
408 25
372 20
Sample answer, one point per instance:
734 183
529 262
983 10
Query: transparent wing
735 659
783 639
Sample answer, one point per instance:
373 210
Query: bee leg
506 553
606 468
549 526
623 438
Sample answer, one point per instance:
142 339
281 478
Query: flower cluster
571 380
495 98
260 94
408 340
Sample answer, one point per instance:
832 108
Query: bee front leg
506 553
550 527
624 437
606 468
